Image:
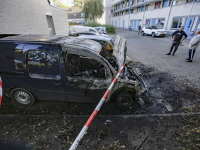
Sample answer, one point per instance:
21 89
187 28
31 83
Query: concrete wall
60 19
29 17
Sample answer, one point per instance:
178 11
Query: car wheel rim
125 100
22 97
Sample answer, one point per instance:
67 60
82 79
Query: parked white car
90 29
153 31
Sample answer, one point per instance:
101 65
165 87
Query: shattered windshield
109 57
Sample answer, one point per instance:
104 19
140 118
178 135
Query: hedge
109 28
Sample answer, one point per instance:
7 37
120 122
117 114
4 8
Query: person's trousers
191 53
138 31
174 44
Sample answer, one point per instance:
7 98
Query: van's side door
87 76
44 72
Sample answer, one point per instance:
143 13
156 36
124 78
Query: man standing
194 43
139 28
177 38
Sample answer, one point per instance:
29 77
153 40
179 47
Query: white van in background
90 29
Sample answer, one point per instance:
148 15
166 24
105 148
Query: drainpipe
190 12
120 11
169 14
129 14
144 13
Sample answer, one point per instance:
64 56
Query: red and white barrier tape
92 116
1 90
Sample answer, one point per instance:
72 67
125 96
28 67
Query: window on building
157 5
175 2
189 1
74 14
82 14
177 22
131 23
161 22
50 25
142 8
131 2
147 7
132 10
139 9
43 63
165 3
147 22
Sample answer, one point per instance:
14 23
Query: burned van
65 68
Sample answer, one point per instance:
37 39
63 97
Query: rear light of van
105 29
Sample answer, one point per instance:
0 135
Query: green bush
72 23
109 28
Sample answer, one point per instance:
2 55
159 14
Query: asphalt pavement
152 52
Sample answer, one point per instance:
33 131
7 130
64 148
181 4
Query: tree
78 3
58 3
93 9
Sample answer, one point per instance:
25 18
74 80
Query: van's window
91 30
84 66
19 60
108 56
43 62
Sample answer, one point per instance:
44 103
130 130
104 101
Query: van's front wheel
124 99
22 97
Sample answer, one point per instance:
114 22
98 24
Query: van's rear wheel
22 97
124 99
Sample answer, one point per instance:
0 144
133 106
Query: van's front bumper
144 86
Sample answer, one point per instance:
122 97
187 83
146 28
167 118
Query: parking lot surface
152 52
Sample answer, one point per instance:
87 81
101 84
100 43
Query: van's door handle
56 83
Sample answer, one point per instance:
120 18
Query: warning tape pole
1 90
92 116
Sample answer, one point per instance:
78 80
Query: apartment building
170 14
76 15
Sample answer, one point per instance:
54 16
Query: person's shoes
168 54
189 61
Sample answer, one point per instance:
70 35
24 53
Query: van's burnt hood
119 50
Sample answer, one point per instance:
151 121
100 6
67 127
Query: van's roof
34 38
57 39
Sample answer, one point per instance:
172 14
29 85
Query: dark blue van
64 68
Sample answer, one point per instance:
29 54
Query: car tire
22 97
153 35
124 99
142 33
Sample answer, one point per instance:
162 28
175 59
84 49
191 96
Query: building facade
32 17
75 15
170 14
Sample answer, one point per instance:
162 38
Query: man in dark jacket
177 38
139 28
